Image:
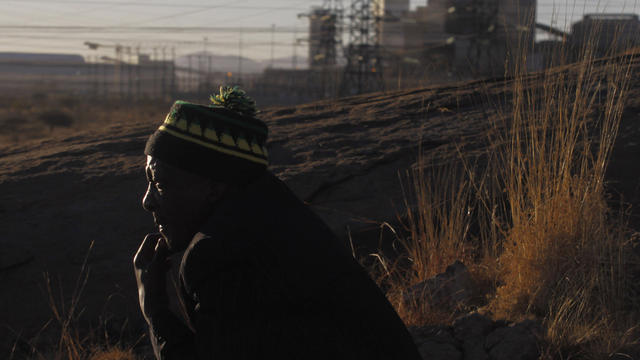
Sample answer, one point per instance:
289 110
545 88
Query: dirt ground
65 191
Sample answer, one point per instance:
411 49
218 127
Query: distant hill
225 63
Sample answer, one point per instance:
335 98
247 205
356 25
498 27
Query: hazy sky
19 20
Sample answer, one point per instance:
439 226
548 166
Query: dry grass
75 341
532 223
113 354
440 214
23 119
567 258
547 244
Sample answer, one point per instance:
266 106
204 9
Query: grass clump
544 242
567 258
74 340
437 228
56 118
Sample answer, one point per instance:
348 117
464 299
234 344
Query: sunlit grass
74 340
547 244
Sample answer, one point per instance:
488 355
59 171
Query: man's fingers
161 255
161 248
146 251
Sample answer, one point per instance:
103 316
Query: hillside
343 157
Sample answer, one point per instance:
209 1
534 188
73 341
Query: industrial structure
469 38
596 35
324 36
325 43
143 77
607 32
364 69
354 46
443 40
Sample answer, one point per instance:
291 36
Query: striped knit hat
223 141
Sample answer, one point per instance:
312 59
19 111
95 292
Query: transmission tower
363 72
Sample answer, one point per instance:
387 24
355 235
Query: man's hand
151 265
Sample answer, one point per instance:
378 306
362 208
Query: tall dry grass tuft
567 258
438 225
441 215
73 341
547 245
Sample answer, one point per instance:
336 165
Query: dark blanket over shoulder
266 278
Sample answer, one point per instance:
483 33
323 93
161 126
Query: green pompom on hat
223 141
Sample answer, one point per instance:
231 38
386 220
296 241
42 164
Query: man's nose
147 201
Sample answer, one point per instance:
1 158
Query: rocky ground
471 336
475 337
343 157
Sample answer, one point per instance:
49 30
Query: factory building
597 35
606 32
393 16
472 37
25 73
392 8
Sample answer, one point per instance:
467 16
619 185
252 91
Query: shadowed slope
341 156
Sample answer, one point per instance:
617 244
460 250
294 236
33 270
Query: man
261 275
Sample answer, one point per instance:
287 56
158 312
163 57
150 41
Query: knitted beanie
223 141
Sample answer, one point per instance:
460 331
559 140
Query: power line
154 5
128 3
74 13
230 44
184 13
267 10
147 29
40 46
202 8
195 8
10 30
21 11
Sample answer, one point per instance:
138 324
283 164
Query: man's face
179 201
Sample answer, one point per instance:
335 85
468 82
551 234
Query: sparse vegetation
44 116
532 219
74 341
56 118
547 244
12 125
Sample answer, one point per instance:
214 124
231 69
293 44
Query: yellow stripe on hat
214 147
170 120
227 139
256 149
195 129
182 124
211 134
243 144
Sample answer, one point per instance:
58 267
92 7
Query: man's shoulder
206 256
200 251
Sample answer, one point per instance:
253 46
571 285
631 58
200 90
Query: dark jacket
266 278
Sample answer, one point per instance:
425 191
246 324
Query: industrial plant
354 47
